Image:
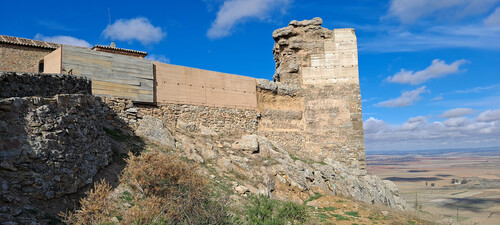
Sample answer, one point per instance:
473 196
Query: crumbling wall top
14 84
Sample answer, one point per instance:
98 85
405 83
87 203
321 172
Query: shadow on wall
52 148
120 139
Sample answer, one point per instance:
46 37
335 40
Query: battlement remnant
324 64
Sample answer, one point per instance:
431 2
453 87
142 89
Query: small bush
264 211
94 209
293 212
354 214
314 197
261 211
340 217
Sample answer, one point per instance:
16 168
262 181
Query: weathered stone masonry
34 84
49 145
322 65
203 119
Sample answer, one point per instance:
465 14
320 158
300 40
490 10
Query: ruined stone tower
323 64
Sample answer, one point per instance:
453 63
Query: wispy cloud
233 12
407 98
493 19
437 69
418 132
457 112
422 25
158 58
409 11
138 29
61 39
53 25
437 98
478 89
369 99
476 36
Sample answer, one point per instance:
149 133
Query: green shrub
264 211
355 214
293 212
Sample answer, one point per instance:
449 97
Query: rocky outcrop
154 130
261 166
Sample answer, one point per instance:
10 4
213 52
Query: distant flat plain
447 183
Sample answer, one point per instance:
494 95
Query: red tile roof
134 52
28 42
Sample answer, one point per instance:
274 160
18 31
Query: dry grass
160 188
95 208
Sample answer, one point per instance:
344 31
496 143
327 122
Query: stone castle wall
14 84
50 146
51 137
192 118
323 63
21 58
313 110
281 114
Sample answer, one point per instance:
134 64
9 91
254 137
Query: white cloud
409 11
158 58
373 125
456 122
429 24
458 112
494 18
139 29
419 133
437 69
414 123
65 40
407 98
233 12
489 115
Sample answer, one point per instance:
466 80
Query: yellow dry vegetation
158 188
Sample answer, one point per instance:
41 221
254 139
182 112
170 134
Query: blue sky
429 70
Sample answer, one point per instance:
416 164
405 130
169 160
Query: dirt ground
460 187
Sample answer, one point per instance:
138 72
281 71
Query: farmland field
462 185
